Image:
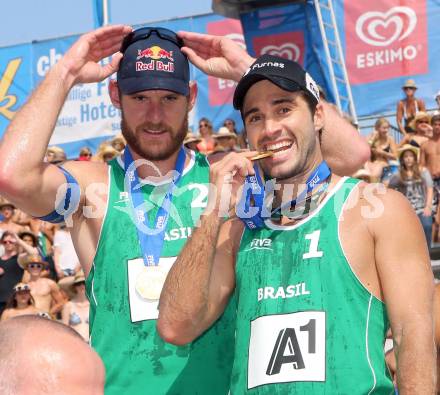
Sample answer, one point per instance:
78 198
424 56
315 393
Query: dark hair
415 168
11 303
5 234
435 118
26 233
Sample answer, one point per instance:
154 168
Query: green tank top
123 324
305 323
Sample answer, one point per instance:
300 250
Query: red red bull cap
153 60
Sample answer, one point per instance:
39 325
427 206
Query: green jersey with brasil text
305 323
123 320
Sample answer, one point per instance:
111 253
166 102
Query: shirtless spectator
66 260
45 291
20 303
40 356
408 108
430 158
7 222
76 312
10 272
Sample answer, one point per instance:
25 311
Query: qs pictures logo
383 28
7 101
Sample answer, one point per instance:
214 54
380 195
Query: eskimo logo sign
373 26
287 348
287 50
385 39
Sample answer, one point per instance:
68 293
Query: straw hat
408 147
191 138
418 117
58 154
6 203
118 140
105 150
68 283
362 174
26 259
224 132
409 84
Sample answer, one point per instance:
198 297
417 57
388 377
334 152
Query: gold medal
262 155
149 282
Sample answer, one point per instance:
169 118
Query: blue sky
27 20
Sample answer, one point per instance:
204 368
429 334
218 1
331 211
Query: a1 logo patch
287 348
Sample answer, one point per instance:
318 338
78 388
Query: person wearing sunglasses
20 303
208 143
45 291
10 272
127 253
420 130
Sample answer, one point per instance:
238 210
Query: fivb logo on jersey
286 45
385 39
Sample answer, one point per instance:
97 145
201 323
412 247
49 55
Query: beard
153 152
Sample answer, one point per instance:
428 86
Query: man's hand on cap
216 56
80 64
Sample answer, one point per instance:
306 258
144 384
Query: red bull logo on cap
155 54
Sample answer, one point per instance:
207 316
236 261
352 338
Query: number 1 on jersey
313 248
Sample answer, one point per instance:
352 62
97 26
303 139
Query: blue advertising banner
15 80
289 31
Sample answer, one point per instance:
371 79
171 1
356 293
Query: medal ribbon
150 239
255 190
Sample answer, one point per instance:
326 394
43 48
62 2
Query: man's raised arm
24 178
343 147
